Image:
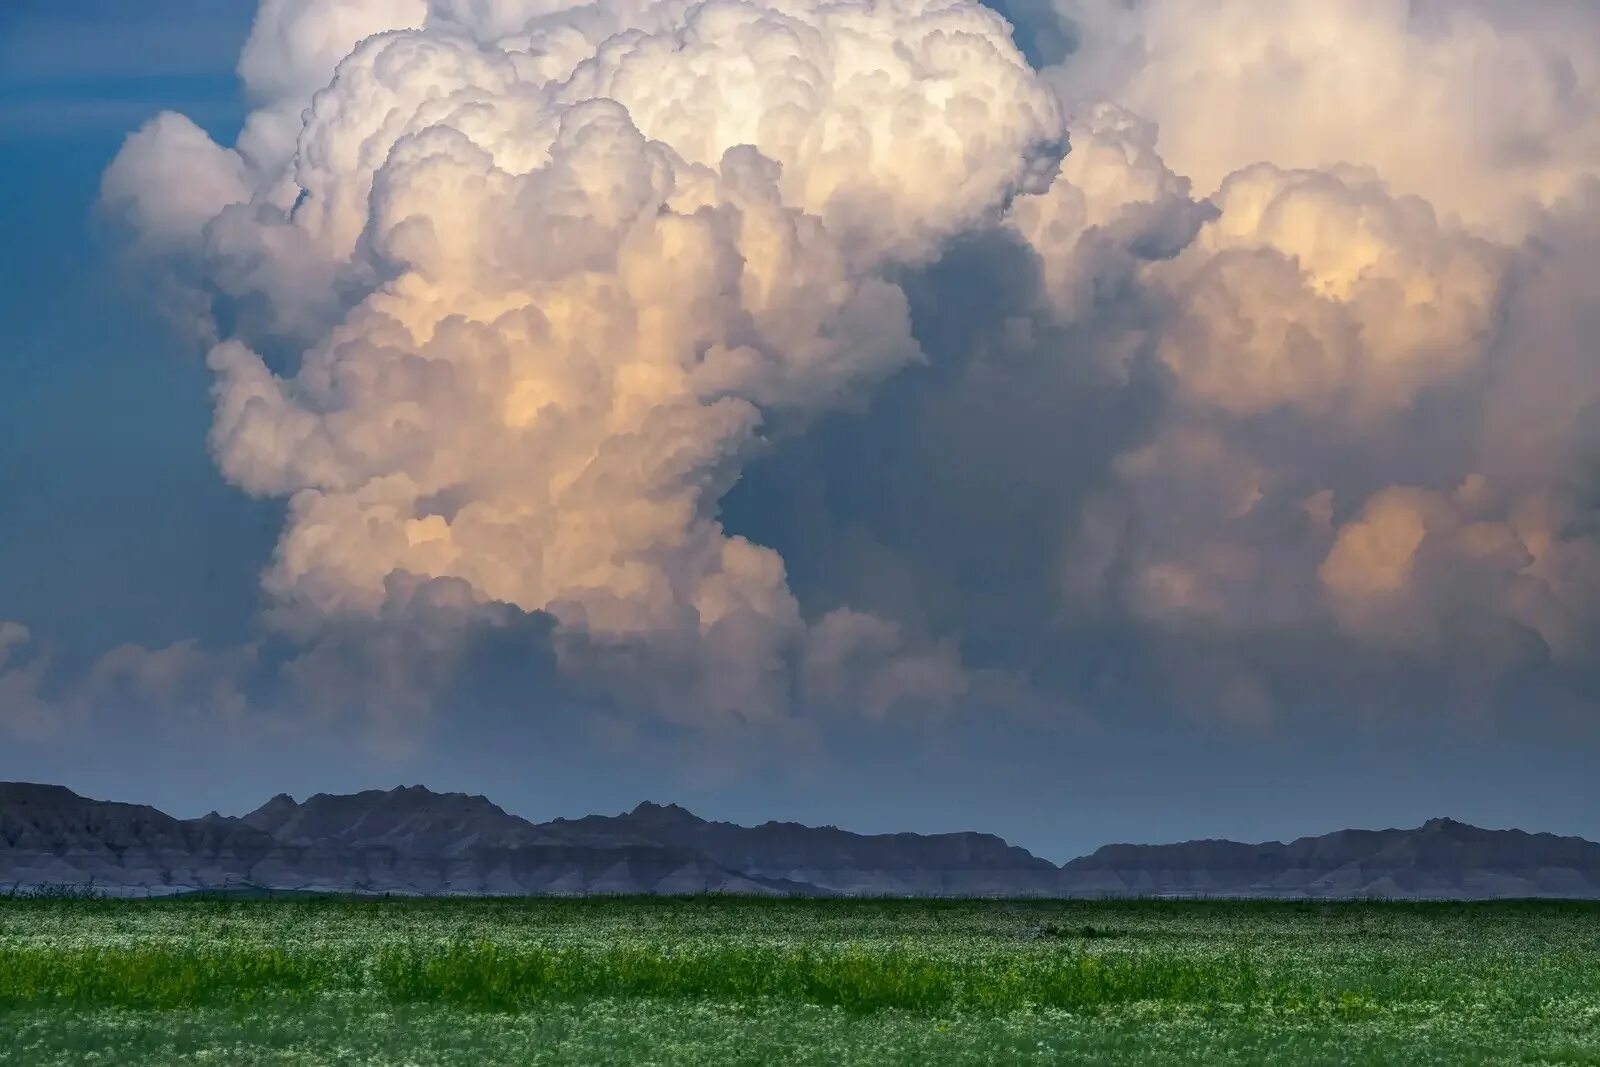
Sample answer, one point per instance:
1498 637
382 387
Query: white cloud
1489 110
509 292
577 270
1321 291
1376 386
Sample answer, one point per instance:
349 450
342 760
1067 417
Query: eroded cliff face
414 841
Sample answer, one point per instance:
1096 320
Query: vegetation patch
906 981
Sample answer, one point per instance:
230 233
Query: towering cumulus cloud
1485 108
1292 386
506 294
1349 348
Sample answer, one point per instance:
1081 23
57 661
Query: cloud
1334 351
169 180
24 712
1323 292
578 263
748 363
856 661
1347 348
182 685
1114 207
371 683
1486 109
431 643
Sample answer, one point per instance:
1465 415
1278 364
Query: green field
712 980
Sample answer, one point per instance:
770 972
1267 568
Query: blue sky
105 486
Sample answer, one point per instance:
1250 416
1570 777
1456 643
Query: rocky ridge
1442 858
410 840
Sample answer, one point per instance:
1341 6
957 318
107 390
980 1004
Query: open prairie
708 979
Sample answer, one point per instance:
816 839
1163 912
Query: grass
625 980
54 891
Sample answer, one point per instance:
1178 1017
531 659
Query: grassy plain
728 980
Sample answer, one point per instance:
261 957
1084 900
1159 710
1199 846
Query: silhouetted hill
1441 858
401 841
409 819
415 841
961 864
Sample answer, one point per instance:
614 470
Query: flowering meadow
735 980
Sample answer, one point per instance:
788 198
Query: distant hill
411 840
1441 858
830 859
403 841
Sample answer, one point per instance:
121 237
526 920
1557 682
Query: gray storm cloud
1396 185
504 296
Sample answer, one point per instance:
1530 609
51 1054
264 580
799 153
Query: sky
1078 420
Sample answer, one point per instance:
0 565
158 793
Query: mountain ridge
412 840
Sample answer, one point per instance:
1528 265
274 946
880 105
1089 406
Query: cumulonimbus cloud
1485 109
548 273
504 295
1345 340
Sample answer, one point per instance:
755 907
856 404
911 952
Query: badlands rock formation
411 840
